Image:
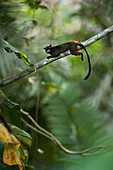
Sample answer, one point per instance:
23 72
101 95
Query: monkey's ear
50 46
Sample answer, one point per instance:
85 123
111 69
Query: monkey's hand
48 57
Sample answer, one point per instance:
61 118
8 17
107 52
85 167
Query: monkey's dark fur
72 46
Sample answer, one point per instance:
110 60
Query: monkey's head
48 49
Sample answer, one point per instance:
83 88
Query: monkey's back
61 48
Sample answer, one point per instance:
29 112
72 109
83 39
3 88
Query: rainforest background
79 113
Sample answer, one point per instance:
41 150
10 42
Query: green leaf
43 7
10 49
10 110
22 136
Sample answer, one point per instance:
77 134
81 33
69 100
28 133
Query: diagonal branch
45 62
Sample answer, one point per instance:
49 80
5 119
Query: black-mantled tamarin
72 46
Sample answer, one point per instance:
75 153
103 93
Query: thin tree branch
45 62
35 129
50 136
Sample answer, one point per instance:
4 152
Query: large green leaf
10 110
76 123
9 48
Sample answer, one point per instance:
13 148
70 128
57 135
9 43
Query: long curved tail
89 61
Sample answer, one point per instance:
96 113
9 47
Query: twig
35 129
45 62
49 135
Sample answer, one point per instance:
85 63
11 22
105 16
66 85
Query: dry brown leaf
11 155
7 137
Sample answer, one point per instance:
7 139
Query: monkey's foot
82 58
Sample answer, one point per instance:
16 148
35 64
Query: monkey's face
48 49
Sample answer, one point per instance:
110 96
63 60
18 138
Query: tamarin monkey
72 46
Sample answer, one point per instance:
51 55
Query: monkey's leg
76 53
82 56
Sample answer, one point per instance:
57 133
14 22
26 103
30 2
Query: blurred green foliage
79 113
